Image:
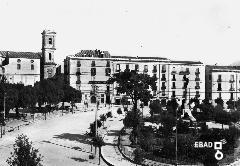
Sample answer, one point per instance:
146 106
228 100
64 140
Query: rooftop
28 55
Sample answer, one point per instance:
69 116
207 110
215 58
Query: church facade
29 67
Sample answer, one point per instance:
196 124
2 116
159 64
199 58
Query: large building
90 68
222 82
29 67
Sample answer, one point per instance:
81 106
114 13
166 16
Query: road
60 140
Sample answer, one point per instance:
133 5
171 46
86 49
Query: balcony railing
173 79
164 70
197 79
154 70
231 81
145 70
219 89
173 87
219 80
163 87
197 95
78 82
173 72
197 72
163 79
184 72
78 73
232 89
197 87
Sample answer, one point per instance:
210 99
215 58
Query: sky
197 30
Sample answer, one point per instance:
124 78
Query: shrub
119 111
132 118
24 153
155 107
93 127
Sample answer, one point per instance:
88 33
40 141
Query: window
155 75
19 60
173 85
163 68
232 78
19 66
108 88
102 98
127 67
145 68
32 66
136 67
78 63
173 94
93 71
219 87
173 77
231 96
78 78
85 96
50 41
93 64
50 56
118 67
108 63
197 71
187 69
219 77
154 68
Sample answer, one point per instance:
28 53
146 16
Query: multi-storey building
29 67
186 80
222 82
89 71
171 75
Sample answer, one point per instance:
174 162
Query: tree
134 85
168 121
155 107
24 153
230 104
124 101
222 117
132 118
103 118
219 101
138 155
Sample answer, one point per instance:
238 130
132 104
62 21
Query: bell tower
48 52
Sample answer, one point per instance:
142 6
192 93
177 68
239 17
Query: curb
108 163
130 160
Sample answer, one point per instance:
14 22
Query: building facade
91 68
222 82
29 67
20 67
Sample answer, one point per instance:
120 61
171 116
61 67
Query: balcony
184 72
173 87
219 80
163 79
163 87
197 79
219 89
145 70
78 73
164 70
154 70
173 79
197 72
173 72
232 89
197 87
78 82
197 95
231 81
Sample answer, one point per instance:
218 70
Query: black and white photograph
120 82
